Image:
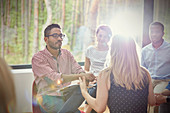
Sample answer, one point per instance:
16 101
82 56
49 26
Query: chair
35 105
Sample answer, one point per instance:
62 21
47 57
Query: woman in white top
95 55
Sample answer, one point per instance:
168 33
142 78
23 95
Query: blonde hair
7 89
124 63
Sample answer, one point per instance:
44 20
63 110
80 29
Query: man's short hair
48 29
158 23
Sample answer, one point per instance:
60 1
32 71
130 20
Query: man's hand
90 77
160 98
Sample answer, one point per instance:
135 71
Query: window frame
29 66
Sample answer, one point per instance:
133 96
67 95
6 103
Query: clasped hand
160 99
90 77
83 85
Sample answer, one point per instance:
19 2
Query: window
161 13
22 24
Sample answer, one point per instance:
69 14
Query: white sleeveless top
97 59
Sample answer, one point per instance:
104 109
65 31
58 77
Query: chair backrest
35 105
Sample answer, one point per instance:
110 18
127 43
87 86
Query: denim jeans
68 103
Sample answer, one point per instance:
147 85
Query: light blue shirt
157 61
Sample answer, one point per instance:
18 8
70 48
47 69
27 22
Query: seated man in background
54 68
164 99
155 58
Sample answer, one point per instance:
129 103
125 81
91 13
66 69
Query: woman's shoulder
105 73
107 69
104 77
91 49
144 70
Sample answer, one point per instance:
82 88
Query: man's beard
52 45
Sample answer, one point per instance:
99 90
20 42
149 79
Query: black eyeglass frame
55 35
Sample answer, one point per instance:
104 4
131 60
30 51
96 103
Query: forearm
93 103
87 64
71 77
99 103
90 100
166 92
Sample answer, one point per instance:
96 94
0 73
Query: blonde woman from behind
124 86
7 89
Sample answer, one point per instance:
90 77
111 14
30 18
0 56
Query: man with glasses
54 68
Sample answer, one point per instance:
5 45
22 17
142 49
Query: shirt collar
162 45
47 52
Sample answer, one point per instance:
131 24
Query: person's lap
68 103
51 104
73 101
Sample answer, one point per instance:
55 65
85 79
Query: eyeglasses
55 35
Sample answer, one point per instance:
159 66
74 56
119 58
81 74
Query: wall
23 79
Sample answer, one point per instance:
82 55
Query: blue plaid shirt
157 61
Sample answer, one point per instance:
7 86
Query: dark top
121 100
